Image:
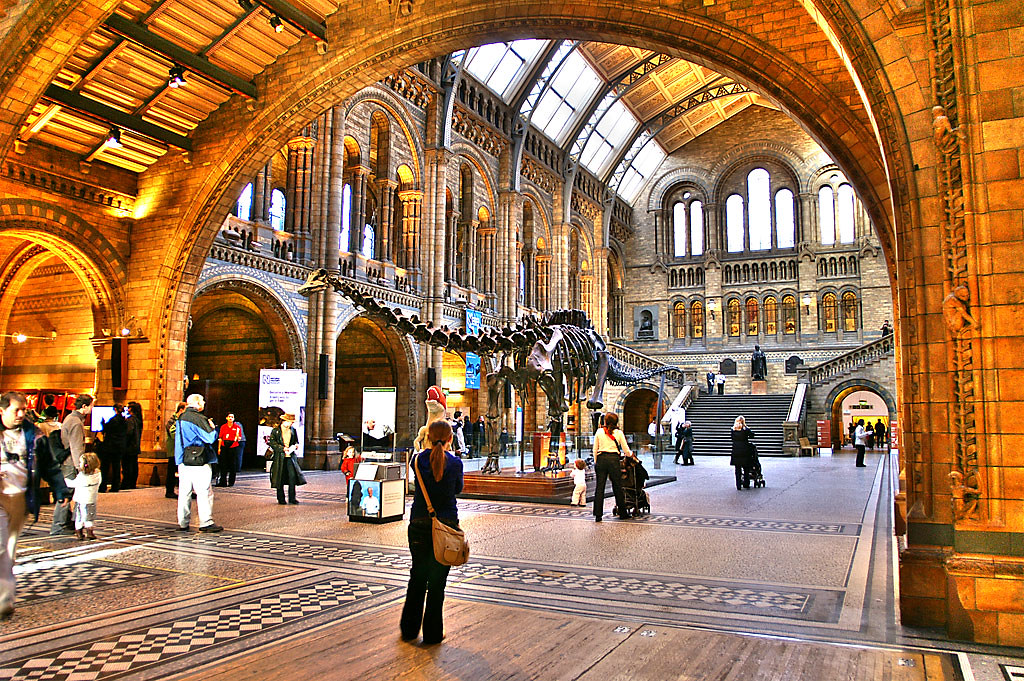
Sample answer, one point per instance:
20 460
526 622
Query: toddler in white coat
86 485
579 477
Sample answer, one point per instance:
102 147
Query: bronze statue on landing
561 351
758 364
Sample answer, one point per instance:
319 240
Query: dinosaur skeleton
560 351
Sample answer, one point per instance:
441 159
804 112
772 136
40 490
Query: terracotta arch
288 334
81 246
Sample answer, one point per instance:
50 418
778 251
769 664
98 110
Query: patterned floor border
192 634
510 579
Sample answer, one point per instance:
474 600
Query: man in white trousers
195 430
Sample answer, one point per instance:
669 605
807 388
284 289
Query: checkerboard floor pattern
76 578
157 644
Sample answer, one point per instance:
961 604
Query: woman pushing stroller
743 455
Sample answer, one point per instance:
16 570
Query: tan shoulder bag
450 544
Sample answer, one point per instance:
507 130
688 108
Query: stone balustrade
847 362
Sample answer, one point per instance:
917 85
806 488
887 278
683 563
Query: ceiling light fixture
276 23
114 138
247 5
21 337
176 76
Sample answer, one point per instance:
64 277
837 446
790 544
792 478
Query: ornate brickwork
965 482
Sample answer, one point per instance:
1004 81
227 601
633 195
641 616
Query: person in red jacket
228 440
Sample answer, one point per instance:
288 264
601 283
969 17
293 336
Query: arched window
789 315
696 228
277 210
844 214
849 311
734 223
770 322
735 314
785 224
243 209
368 242
346 218
830 312
759 209
827 215
697 320
679 318
752 316
679 229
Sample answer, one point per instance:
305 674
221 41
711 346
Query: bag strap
423 488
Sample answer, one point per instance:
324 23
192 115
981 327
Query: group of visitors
118 446
713 380
230 446
37 448
866 436
470 437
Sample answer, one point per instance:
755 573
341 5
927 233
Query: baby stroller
754 473
634 475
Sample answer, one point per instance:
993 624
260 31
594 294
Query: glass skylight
614 128
643 166
564 102
502 66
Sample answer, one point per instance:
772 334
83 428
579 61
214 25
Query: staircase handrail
848 361
638 360
794 421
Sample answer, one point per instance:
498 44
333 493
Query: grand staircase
712 417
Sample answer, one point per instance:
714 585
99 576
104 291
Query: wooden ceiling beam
142 36
95 109
228 32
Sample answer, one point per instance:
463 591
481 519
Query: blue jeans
427 580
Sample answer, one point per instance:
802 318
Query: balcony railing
847 362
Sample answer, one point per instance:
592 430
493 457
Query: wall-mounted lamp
21 337
807 300
712 306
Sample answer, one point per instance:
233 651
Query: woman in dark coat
440 472
133 447
741 459
284 469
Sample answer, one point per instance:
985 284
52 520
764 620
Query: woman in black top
441 473
741 458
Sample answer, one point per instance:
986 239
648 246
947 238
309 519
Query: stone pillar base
152 469
974 597
321 455
759 387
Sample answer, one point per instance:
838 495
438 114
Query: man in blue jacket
22 465
195 430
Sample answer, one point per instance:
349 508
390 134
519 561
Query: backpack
58 451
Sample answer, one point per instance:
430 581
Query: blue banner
472 370
474 320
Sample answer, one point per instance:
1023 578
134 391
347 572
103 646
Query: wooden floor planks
488 642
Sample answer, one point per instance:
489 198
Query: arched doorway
638 410
857 399
234 333
369 355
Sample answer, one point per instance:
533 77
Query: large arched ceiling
119 77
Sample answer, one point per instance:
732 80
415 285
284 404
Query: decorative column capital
301 143
410 195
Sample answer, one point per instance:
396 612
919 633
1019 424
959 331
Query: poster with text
378 432
282 391
472 371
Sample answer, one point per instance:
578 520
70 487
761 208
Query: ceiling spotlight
276 23
20 338
176 76
114 138
247 5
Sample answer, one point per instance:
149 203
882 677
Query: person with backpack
67 445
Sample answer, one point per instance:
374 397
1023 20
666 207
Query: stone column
322 335
600 295
543 261
411 202
560 265
386 225
509 217
711 227
259 211
358 211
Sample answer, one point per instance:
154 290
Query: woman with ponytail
441 473
609 448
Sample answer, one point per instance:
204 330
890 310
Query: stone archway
833 403
369 355
638 408
237 329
